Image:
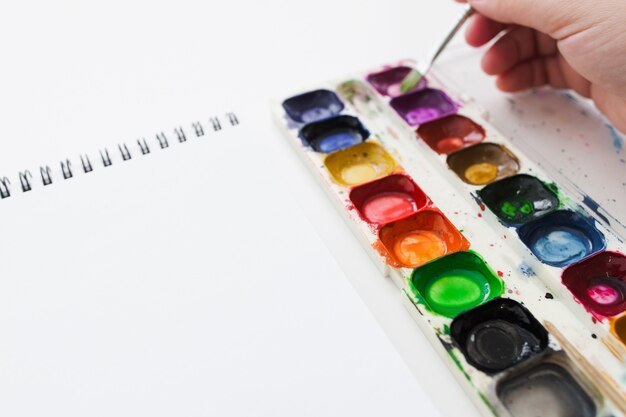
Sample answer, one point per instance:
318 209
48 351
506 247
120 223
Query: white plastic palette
460 314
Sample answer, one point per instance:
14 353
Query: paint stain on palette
456 292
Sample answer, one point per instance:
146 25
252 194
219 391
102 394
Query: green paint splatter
508 209
457 362
511 208
526 208
487 403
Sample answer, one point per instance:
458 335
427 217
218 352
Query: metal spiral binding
46 174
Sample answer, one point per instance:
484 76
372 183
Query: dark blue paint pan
313 106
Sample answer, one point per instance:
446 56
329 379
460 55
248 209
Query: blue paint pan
562 238
334 134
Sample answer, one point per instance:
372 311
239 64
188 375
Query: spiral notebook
164 276
24 181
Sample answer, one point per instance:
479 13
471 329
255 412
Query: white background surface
78 76
119 297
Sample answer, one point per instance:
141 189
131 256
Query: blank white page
173 284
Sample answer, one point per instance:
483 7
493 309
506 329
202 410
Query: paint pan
451 133
562 238
483 163
455 283
360 164
498 335
388 199
415 240
313 106
519 199
388 82
423 106
545 389
361 97
599 283
334 134
618 328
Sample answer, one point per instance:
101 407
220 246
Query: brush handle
425 65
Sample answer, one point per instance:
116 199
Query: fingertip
507 85
523 76
489 62
481 30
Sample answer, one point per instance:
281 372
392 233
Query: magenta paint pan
313 106
388 199
388 82
599 283
423 106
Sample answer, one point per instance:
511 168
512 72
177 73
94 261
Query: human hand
575 44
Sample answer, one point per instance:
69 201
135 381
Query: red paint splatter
482 206
480 215
500 274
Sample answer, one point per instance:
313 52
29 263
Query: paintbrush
415 76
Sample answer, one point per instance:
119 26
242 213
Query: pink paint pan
388 199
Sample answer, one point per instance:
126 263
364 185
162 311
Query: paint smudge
616 138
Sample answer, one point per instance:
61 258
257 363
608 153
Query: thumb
557 18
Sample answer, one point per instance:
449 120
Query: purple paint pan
388 82
424 106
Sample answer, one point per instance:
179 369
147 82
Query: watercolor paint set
520 288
